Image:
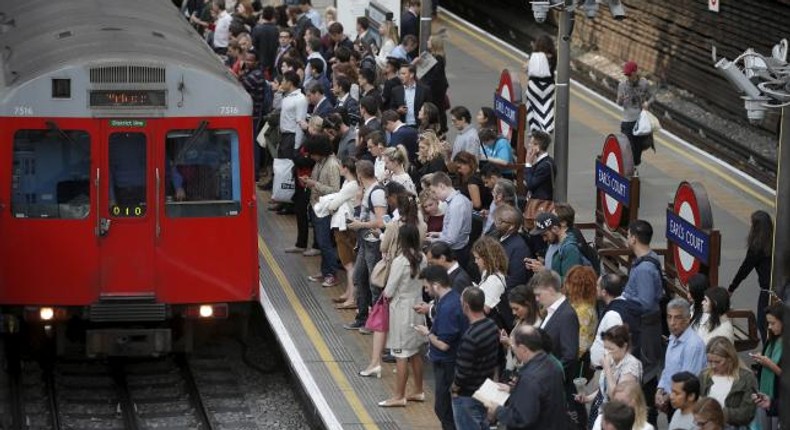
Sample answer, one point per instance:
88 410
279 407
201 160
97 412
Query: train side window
50 174
202 173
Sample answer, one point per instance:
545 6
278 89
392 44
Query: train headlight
206 311
46 314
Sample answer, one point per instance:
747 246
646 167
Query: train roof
39 36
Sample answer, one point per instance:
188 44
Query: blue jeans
323 236
469 414
368 255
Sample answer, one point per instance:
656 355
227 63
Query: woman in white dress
389 40
404 290
492 261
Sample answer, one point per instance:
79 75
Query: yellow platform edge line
608 110
315 338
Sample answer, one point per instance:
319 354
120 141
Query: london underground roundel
506 101
616 156
690 218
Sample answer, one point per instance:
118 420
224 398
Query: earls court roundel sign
506 102
612 175
689 222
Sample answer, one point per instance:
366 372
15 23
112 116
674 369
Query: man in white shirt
467 138
222 27
292 115
684 395
610 288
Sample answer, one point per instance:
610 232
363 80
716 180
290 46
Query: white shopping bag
283 185
261 138
643 125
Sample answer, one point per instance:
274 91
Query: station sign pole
780 273
425 24
511 113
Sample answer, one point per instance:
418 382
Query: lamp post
562 106
425 24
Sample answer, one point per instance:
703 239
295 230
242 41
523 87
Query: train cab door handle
157 203
250 204
104 226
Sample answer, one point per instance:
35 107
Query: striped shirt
476 359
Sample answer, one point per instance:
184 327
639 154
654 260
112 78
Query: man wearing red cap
634 94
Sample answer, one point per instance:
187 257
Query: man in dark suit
320 104
410 20
539 174
265 40
285 40
342 90
562 326
408 98
441 254
400 134
369 109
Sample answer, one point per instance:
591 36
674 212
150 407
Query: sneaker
363 330
294 250
355 325
312 252
330 281
316 278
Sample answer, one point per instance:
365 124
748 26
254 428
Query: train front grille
132 312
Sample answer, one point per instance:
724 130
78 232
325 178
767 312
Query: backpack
589 255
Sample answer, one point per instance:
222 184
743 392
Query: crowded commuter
466 139
391 80
410 20
430 155
396 163
436 79
708 414
431 212
729 382
430 120
617 310
373 207
490 259
617 416
540 86
618 366
770 369
685 351
342 136
400 134
441 254
408 97
538 177
567 254
630 393
537 401
714 321
404 291
525 311
507 224
683 398
503 193
495 149
697 285
444 336
369 110
486 118
376 145
389 40
324 180
476 361
758 258
457 218
580 288
471 186
285 42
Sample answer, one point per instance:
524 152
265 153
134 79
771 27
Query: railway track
176 392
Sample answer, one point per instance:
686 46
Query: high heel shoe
376 371
392 403
419 397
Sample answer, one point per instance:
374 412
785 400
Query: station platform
326 358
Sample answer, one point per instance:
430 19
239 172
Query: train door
127 208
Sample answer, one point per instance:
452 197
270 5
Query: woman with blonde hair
389 40
580 288
396 161
727 380
490 258
330 17
431 211
630 393
430 154
436 80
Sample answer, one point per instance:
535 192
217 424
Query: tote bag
283 185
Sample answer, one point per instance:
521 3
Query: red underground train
127 200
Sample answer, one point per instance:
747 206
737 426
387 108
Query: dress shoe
340 299
420 397
294 250
312 252
363 330
346 306
374 372
392 403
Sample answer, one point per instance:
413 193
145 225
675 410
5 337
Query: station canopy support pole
425 24
562 111
780 272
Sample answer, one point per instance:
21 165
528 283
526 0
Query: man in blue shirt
457 224
449 324
685 351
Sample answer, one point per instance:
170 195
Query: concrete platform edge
310 389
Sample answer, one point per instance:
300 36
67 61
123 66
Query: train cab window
50 174
128 188
202 173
